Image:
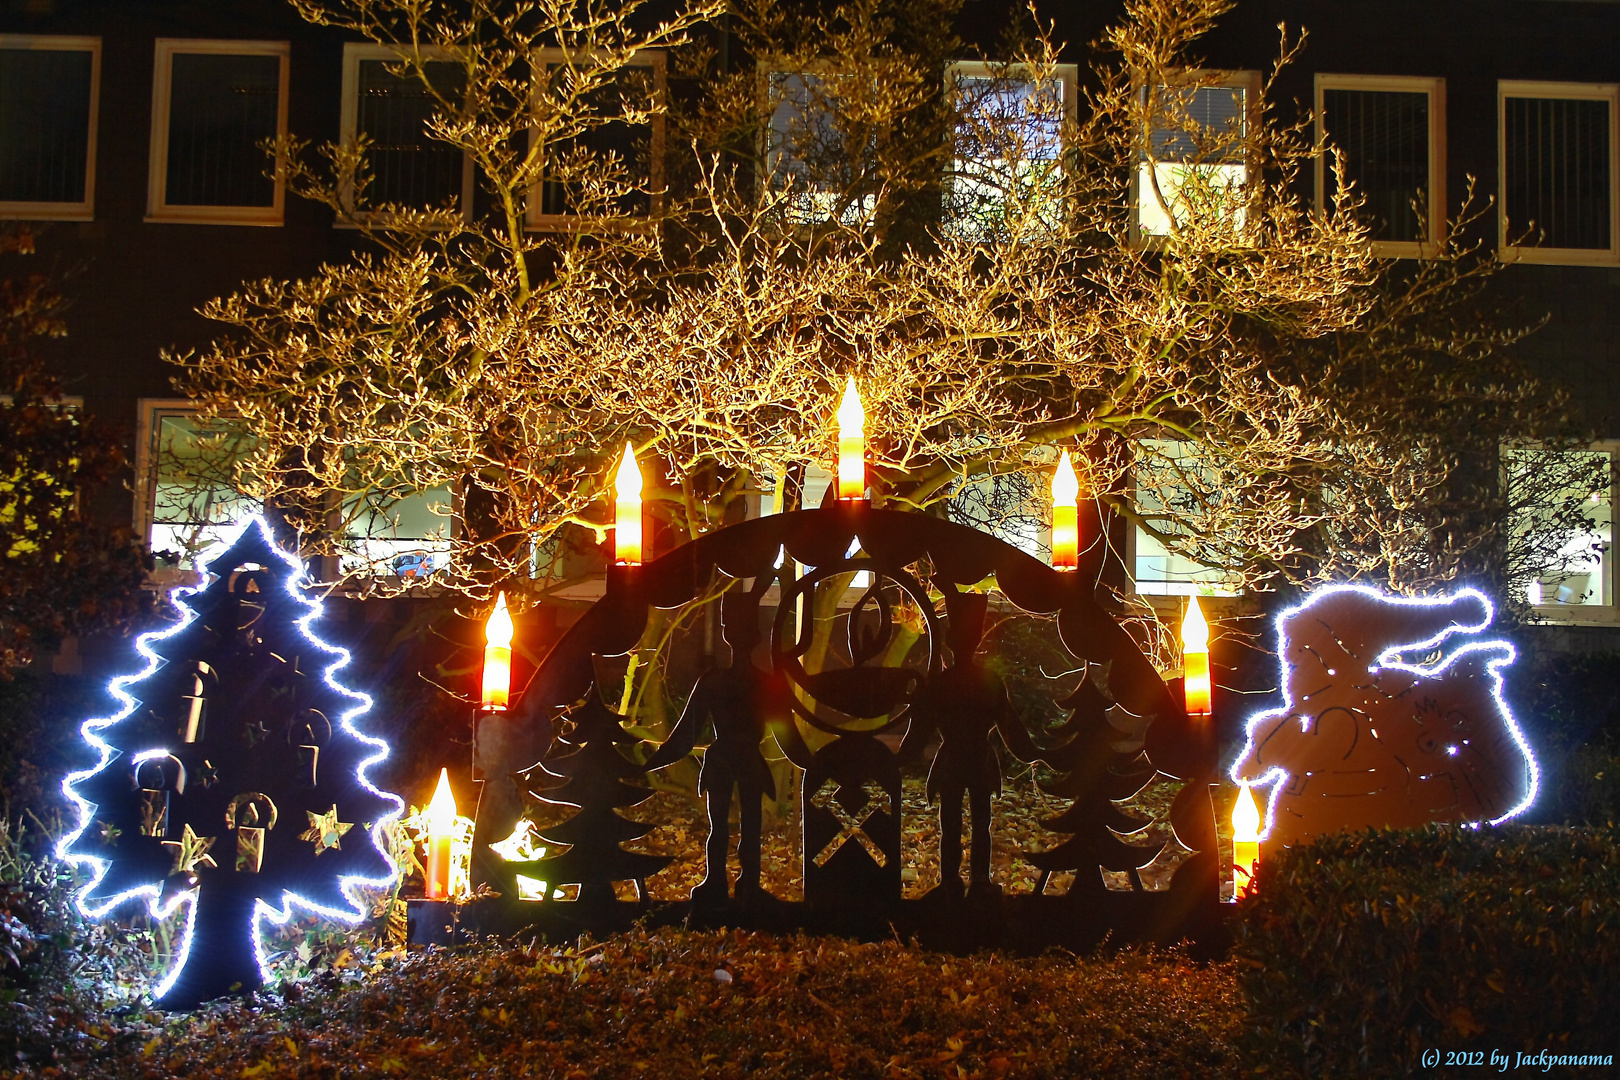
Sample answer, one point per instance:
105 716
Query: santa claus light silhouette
1393 716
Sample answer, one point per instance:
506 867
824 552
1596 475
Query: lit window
1195 168
405 166
806 153
1562 532
48 97
636 149
214 106
1558 170
1157 567
1009 506
1390 134
188 499
395 535
1007 147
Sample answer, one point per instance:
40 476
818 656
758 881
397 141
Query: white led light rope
156 906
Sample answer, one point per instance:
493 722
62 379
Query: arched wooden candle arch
846 781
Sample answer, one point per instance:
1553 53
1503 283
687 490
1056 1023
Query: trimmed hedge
1361 952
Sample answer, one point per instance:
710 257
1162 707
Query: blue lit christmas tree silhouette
233 779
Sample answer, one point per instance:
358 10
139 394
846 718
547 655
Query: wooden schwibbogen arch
561 743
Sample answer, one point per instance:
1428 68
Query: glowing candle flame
851 444
498 657
441 810
1245 841
1065 515
1195 658
627 509
441 826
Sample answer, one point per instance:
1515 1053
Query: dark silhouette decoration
236 778
1099 766
743 705
598 779
886 685
852 856
963 705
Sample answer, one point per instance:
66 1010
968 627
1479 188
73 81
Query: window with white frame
395 534
1390 135
189 497
806 148
187 493
626 159
1157 567
215 104
1562 535
49 90
1195 167
1558 165
390 107
1014 507
1007 146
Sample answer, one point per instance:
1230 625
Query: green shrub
1360 952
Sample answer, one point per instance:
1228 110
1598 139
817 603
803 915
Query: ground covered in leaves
673 1004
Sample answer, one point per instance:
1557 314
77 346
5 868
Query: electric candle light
1195 659
1065 516
1245 842
851 444
498 657
627 509
441 825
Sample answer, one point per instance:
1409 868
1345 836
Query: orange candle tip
1245 841
441 827
627 483
851 444
1195 659
1065 515
498 630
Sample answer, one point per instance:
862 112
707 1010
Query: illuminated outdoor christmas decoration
865 717
524 846
441 831
1195 659
1245 842
497 657
1370 736
1065 515
265 741
627 509
851 444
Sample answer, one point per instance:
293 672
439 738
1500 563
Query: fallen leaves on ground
650 1004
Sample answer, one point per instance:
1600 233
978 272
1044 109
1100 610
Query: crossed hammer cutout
850 825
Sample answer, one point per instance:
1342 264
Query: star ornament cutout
190 851
325 830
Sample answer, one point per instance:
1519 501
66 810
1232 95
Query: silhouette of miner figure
744 704
964 703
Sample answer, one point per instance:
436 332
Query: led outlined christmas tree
233 779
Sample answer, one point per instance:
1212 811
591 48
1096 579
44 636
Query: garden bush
1361 952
